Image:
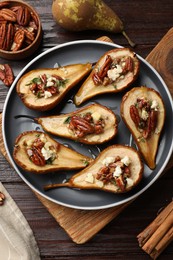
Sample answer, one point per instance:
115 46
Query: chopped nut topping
83 125
41 153
112 70
115 171
144 114
46 85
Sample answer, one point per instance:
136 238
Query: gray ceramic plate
81 52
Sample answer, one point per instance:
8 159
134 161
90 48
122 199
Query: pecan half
135 115
128 65
6 74
154 118
18 40
29 36
152 122
3 31
34 18
23 16
8 14
98 77
9 36
121 183
37 158
2 198
81 126
105 67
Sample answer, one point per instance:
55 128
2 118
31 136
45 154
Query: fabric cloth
17 241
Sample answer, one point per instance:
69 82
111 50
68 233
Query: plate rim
59 46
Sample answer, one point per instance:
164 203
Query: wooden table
146 23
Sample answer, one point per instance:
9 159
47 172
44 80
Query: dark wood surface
146 22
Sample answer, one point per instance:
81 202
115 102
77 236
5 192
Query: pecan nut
135 115
154 118
128 67
8 14
2 198
34 18
98 77
81 126
3 31
103 71
37 157
152 122
18 40
6 74
9 37
23 16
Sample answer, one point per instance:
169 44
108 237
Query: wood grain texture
146 22
162 58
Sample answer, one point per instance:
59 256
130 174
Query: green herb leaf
113 182
86 163
67 120
36 80
62 83
38 94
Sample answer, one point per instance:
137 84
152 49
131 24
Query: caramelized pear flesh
43 89
93 124
143 111
117 169
37 152
114 72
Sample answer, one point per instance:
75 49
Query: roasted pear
43 89
37 152
143 111
117 169
93 124
114 72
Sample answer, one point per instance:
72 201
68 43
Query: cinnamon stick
155 237
164 242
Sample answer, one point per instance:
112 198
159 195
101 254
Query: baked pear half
43 89
93 124
117 169
143 111
37 152
114 72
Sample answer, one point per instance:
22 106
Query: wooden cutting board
91 222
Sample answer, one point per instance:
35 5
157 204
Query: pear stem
132 44
56 185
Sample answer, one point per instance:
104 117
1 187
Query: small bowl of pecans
20 30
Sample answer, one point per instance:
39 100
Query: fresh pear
37 152
42 89
116 70
117 169
143 111
79 15
93 124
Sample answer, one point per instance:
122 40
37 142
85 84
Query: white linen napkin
17 241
